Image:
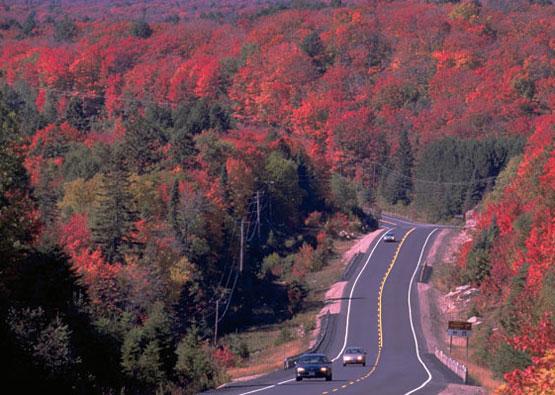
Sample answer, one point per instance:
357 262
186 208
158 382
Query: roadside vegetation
509 260
167 171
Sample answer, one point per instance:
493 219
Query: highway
379 313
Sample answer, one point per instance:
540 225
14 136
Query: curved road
376 312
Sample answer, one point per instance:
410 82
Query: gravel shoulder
432 319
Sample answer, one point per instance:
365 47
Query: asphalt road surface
376 314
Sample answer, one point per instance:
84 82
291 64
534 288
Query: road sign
458 332
459 329
460 325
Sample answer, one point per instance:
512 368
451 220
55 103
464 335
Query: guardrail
324 323
455 366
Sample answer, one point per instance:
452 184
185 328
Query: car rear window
314 359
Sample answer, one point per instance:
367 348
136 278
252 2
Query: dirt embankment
336 292
434 311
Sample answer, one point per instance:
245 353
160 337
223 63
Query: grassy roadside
269 345
443 263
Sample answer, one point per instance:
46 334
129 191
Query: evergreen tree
148 350
142 145
284 190
344 193
65 30
141 29
113 217
313 46
181 137
29 24
313 197
456 173
219 118
195 369
15 197
81 112
47 196
478 265
398 183
187 221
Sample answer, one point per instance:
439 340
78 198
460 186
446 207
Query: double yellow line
380 323
380 300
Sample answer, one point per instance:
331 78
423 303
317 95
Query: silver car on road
389 237
354 355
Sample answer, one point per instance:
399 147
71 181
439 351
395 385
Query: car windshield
353 351
314 359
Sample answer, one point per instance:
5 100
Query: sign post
459 329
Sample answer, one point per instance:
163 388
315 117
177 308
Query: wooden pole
258 213
467 349
216 322
241 253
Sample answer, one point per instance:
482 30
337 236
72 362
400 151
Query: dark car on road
313 366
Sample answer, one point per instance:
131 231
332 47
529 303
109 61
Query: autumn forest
163 162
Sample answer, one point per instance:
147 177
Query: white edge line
351 298
285 381
260 389
348 315
410 316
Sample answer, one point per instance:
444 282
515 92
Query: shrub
285 335
65 30
296 293
224 356
141 29
195 369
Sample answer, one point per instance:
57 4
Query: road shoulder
432 322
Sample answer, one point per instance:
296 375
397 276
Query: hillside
182 162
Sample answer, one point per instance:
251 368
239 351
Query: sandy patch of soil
361 245
459 389
336 291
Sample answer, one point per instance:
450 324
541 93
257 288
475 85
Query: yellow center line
380 309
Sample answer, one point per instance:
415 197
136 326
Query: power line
415 179
229 297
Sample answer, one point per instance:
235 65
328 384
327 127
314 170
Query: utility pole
216 321
258 213
241 252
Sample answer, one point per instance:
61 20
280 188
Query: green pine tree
195 369
142 145
398 183
113 217
148 350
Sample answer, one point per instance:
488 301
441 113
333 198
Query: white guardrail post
455 366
